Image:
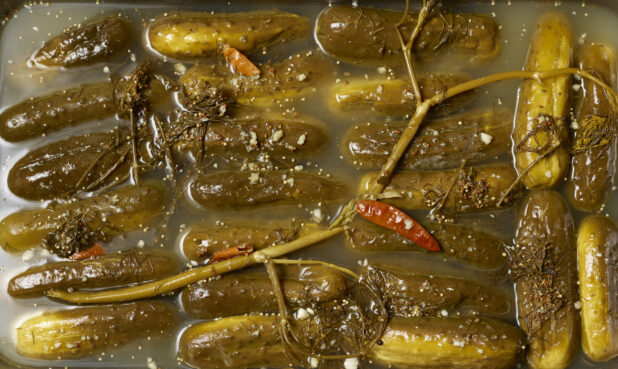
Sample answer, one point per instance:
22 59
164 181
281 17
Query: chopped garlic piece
486 138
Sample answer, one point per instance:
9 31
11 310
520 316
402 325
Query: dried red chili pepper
390 217
240 62
96 250
231 252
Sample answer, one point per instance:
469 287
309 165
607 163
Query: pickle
411 294
81 332
253 341
238 189
545 271
241 293
543 109
438 144
63 167
115 269
267 133
468 189
88 44
394 97
457 342
363 35
597 257
594 143
289 78
475 248
202 241
197 35
38 116
115 212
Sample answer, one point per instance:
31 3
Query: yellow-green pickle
541 133
594 132
364 35
544 266
597 258
80 332
247 292
198 35
455 342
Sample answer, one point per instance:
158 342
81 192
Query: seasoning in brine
367 36
199 35
594 132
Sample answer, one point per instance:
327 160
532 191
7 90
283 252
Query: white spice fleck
350 363
486 138
301 139
180 68
301 77
277 135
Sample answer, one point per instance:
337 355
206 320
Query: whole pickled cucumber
411 294
439 144
469 189
241 293
239 189
38 116
253 341
267 133
394 97
81 332
197 35
202 241
115 269
64 167
364 35
594 143
116 212
287 79
541 123
597 258
475 248
545 271
91 43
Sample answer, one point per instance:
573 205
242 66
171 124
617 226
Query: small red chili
231 252
96 250
390 217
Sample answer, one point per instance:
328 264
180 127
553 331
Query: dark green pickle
82 332
241 293
410 294
439 144
109 270
38 116
88 44
475 248
64 167
545 270
593 163
241 189
364 35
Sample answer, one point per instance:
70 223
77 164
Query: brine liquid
34 24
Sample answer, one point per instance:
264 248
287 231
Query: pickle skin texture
115 269
394 97
81 332
542 110
439 144
50 113
475 248
89 44
482 189
202 241
241 189
597 255
253 341
545 251
287 79
242 293
593 168
54 170
367 36
199 35
125 209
